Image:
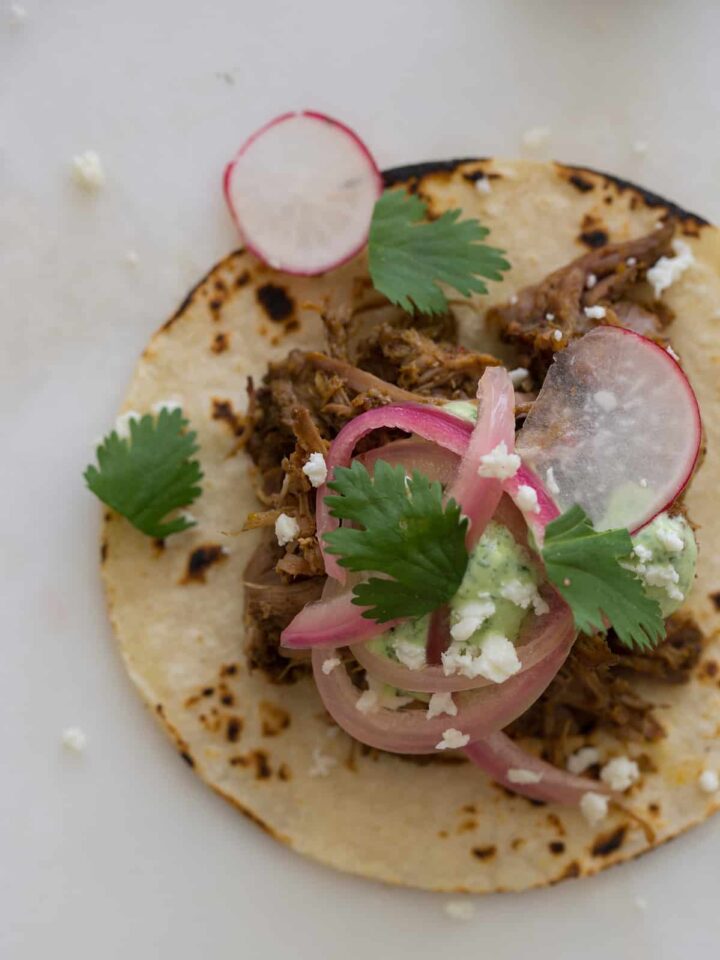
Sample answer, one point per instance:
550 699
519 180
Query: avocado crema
499 589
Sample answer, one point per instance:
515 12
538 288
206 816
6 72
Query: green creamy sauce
656 537
496 561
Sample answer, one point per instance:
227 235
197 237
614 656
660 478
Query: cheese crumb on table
74 739
88 171
286 529
536 137
460 909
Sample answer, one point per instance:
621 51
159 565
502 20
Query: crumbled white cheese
557 335
460 909
605 399
315 469
631 261
453 739
88 171
441 703
550 317
513 299
329 665
709 781
579 761
640 147
523 776
644 554
594 313
18 14
526 499
132 258
286 529
643 483
172 403
536 137
518 375
498 659
322 763
73 738
662 575
669 269
672 353
482 185
669 538
471 616
367 702
499 464
411 655
594 807
620 773
550 481
122 423
590 281
523 595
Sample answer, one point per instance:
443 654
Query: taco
269 369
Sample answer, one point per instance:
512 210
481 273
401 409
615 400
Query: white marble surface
120 851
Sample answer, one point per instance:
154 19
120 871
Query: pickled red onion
480 712
479 496
498 754
430 423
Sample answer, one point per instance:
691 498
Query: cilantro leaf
409 255
583 565
150 473
408 535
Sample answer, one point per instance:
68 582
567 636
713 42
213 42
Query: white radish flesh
619 426
302 191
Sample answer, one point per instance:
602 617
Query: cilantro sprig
149 473
408 535
584 565
409 256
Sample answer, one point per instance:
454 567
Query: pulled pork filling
304 400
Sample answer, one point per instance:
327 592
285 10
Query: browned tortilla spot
275 302
223 410
484 853
233 729
467 826
715 597
608 843
580 183
103 551
220 343
200 561
556 823
273 719
556 847
284 772
257 759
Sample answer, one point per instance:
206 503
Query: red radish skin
362 171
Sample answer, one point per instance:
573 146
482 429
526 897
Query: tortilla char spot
468 808
467 826
220 343
103 551
709 668
284 773
556 823
223 410
228 670
233 729
580 183
159 710
273 719
242 279
594 238
220 285
556 847
208 691
715 598
484 853
200 561
517 843
608 843
275 302
158 546
654 809
257 759
443 834
571 872
187 758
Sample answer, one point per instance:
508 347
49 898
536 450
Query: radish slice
480 712
537 639
302 191
430 423
497 755
618 425
479 496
